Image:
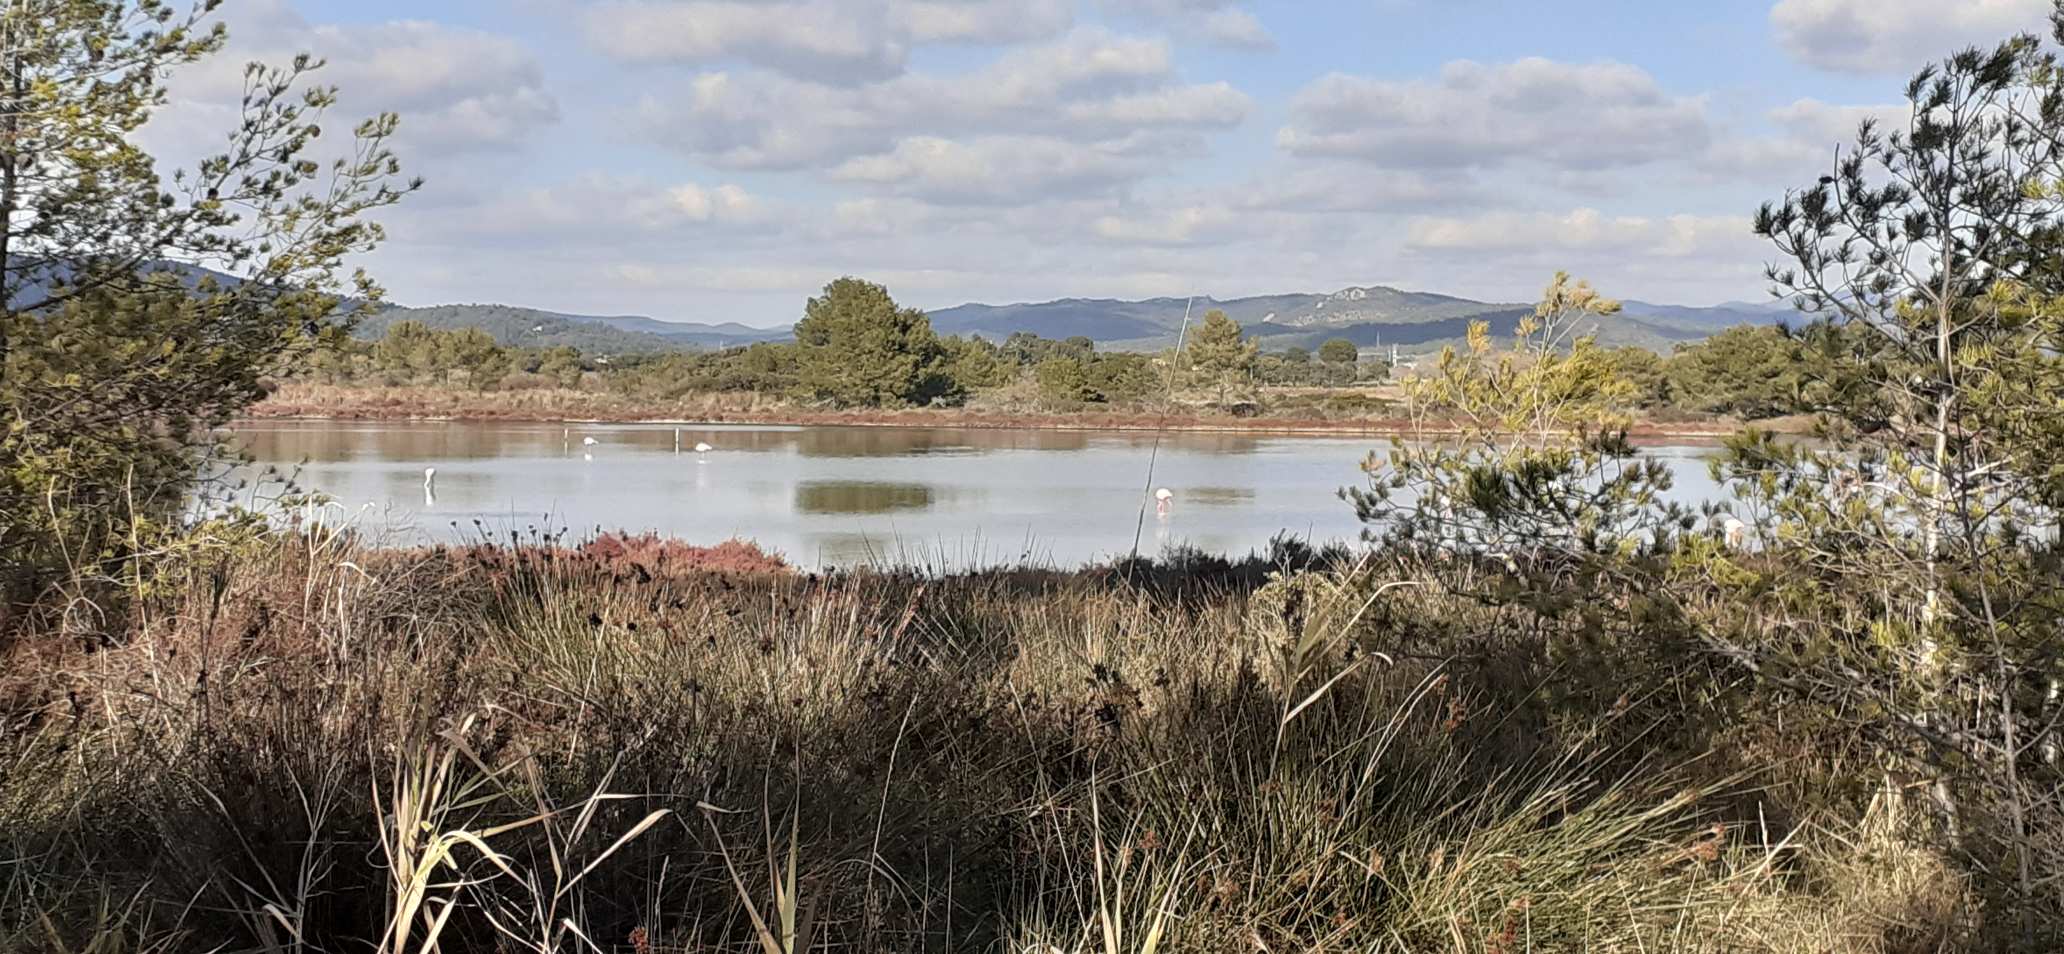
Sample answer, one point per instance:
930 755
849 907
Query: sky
721 160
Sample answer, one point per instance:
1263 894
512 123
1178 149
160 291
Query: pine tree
860 349
1750 370
1064 380
115 364
1219 357
1520 451
1922 527
563 365
1339 351
974 363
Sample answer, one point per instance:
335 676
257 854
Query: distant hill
1145 322
1424 336
721 335
1104 319
1716 318
1370 316
592 334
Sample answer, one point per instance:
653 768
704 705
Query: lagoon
839 496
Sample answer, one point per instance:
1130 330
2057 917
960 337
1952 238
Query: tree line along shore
1306 413
858 354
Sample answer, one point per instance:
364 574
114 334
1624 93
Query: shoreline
987 422
302 403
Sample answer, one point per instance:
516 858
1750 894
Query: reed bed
305 745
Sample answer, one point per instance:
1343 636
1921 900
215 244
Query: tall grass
306 746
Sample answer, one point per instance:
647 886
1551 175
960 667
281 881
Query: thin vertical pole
1140 527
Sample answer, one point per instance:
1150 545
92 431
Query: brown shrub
665 556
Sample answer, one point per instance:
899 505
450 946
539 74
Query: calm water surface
840 495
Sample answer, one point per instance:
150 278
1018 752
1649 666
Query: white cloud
1237 28
721 278
595 208
1222 22
725 203
1091 88
821 40
1563 115
993 169
1897 36
1301 205
1088 60
1676 236
1681 258
1826 123
878 216
1809 132
827 40
794 282
457 90
1188 225
1209 104
980 21
1349 188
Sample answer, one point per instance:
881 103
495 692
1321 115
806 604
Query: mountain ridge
1369 315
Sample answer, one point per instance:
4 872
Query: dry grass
306 746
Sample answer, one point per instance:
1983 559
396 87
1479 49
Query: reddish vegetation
665 557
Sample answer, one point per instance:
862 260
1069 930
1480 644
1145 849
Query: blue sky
719 160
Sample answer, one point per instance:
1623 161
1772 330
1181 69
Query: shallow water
957 497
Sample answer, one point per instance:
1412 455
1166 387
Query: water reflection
860 496
1226 443
951 496
929 441
1217 496
720 440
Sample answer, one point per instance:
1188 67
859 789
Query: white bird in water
589 442
702 448
1164 500
429 486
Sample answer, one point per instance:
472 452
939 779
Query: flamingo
1735 532
1163 501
